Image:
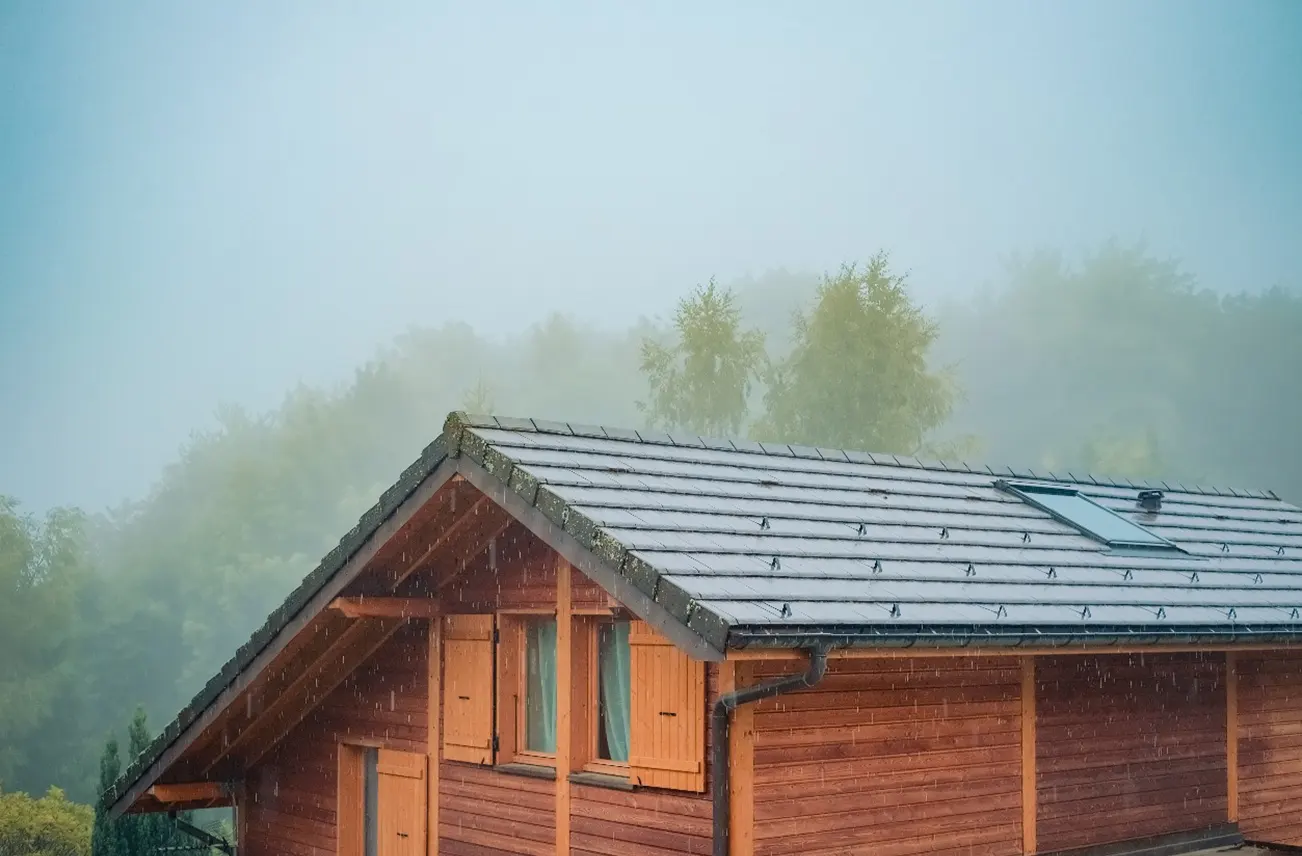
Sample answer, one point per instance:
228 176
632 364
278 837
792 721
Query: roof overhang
323 592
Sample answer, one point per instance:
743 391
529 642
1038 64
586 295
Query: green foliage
131 834
702 381
1120 363
857 376
106 839
41 570
49 826
1116 365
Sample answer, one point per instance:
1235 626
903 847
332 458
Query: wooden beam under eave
386 607
370 635
316 680
447 536
492 526
188 792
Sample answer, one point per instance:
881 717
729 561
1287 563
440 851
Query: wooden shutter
401 802
468 688
667 715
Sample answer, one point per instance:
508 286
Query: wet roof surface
767 536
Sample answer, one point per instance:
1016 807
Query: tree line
1118 363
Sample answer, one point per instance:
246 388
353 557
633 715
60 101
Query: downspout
720 719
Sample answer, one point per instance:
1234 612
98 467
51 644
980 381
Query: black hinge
496 636
497 744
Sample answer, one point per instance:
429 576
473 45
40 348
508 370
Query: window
654 737
1073 508
540 686
614 692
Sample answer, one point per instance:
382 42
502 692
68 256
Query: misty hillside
1120 365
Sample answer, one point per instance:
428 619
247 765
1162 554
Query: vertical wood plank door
400 804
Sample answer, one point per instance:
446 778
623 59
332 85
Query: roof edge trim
335 571
1030 636
691 627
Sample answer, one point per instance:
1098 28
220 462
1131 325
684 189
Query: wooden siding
483 812
1129 746
290 807
892 757
1270 747
605 822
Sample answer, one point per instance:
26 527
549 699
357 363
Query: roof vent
1150 500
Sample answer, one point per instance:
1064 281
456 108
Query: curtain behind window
540 686
613 657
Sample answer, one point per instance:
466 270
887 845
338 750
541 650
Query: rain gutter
1011 637
720 720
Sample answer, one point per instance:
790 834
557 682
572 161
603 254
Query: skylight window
1073 508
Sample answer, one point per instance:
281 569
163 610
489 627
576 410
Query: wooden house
551 638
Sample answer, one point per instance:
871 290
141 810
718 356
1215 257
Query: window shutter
667 713
468 688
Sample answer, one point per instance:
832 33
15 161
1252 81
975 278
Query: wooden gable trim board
564 699
442 540
306 694
616 584
329 590
280 716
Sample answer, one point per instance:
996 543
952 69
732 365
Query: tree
41 571
49 826
106 838
702 381
857 375
1122 351
478 398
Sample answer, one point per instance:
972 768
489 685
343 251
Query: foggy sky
211 202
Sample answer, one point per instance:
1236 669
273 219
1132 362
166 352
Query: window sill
602 780
532 771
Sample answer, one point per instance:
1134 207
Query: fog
252 254
210 203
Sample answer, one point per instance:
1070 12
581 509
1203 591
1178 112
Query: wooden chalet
557 639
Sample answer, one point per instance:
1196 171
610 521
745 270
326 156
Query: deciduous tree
857 376
701 380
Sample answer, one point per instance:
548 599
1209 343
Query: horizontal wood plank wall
486 813
1270 747
520 575
892 757
291 796
606 822
1129 746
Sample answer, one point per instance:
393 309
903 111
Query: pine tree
106 835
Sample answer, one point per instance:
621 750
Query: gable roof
729 544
